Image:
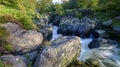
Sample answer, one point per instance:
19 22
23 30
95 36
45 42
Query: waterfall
106 56
54 33
84 48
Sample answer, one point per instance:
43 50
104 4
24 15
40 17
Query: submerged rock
12 61
61 53
99 43
22 40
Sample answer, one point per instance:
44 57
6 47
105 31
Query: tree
44 5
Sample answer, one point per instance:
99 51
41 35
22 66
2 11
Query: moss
8 47
30 64
27 56
1 63
4 64
5 47
3 33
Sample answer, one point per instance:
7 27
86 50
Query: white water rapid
106 56
55 35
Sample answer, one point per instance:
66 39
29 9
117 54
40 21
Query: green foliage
58 9
116 23
78 15
26 22
3 33
81 4
22 11
44 5
8 47
1 63
4 64
94 4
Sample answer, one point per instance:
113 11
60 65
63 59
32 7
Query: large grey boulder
12 61
62 52
22 40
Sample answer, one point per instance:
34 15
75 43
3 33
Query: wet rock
46 32
116 28
60 53
23 41
77 27
107 23
12 61
29 58
55 20
117 17
99 43
102 33
42 21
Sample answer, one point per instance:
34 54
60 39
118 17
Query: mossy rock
5 47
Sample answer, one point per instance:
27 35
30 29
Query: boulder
29 58
116 28
12 61
42 21
102 33
77 27
117 17
61 53
99 43
107 23
22 40
46 32
55 20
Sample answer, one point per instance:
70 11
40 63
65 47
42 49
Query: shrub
18 11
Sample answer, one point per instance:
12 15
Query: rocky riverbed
74 42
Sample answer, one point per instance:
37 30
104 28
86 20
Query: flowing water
54 33
105 56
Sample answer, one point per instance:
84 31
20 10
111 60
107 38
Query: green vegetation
44 5
18 11
4 64
4 45
15 11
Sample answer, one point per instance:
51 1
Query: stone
117 17
46 32
116 28
99 43
107 23
102 33
12 61
23 41
77 27
29 58
61 53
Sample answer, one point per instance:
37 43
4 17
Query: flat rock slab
22 40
